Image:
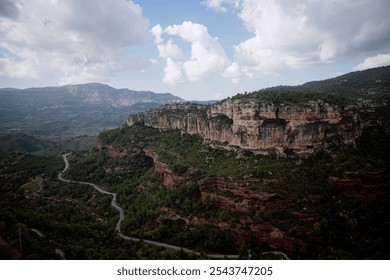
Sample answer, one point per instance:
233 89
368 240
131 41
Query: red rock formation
168 178
376 191
236 195
263 233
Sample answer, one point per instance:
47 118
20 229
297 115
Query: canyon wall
265 128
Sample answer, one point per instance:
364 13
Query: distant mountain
87 94
352 85
103 95
72 110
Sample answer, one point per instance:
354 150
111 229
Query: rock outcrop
265 128
240 196
112 152
168 178
262 233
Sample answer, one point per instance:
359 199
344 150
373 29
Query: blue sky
206 49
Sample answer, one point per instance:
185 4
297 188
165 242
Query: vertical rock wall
261 127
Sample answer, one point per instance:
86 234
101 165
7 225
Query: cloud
296 34
71 41
206 58
170 50
374 61
8 9
222 5
173 72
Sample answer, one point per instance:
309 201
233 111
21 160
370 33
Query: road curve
134 239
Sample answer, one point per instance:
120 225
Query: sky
197 50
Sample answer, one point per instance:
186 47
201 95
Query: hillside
22 143
183 191
353 85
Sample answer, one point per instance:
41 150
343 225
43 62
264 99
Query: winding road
151 242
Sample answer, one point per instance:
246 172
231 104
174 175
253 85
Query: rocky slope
267 127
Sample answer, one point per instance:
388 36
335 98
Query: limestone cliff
265 127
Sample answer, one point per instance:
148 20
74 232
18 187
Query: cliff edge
272 123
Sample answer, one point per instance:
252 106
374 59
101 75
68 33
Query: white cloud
170 50
233 72
70 41
206 59
173 72
222 5
157 32
295 34
374 61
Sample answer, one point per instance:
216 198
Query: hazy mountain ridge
72 110
84 94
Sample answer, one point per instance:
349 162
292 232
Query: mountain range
93 94
72 110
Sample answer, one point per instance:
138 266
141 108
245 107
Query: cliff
315 207
168 178
302 127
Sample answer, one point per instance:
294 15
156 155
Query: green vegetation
187 151
360 84
72 218
292 97
222 120
29 166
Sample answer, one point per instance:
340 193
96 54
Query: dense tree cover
72 218
292 97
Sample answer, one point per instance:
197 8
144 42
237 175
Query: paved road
151 242
113 201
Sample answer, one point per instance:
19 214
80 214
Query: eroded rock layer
265 127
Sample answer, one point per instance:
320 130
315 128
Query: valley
67 117
282 173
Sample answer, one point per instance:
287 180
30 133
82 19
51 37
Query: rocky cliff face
168 178
265 128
